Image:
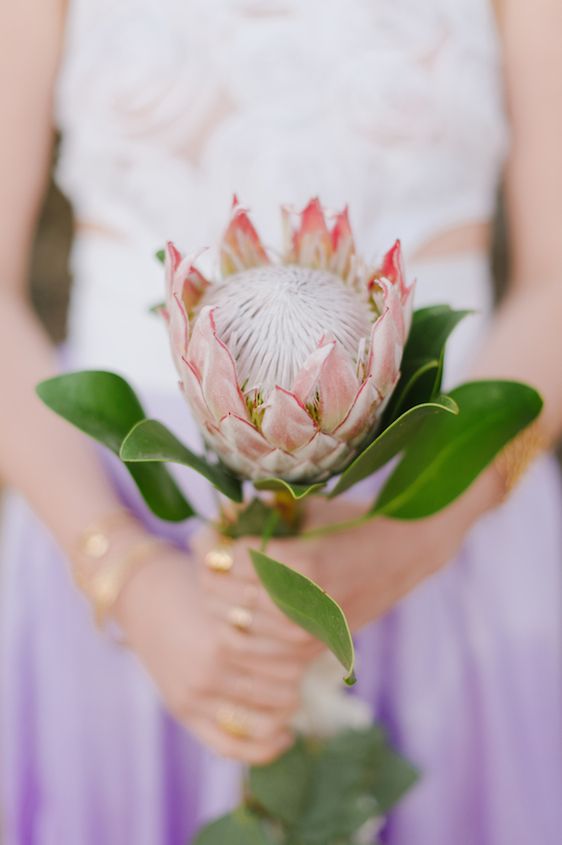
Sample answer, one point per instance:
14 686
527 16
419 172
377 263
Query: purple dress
166 108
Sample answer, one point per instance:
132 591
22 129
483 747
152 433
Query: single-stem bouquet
306 374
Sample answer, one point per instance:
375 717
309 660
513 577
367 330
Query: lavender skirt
465 673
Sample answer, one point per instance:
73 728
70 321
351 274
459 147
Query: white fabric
167 107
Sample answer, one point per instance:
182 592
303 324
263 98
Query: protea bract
287 364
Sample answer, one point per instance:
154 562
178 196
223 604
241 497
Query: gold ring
240 618
231 722
219 560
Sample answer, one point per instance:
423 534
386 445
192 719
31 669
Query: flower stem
335 528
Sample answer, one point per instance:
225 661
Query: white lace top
169 106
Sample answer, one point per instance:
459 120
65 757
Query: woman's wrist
107 555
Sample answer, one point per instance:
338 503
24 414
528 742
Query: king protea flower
287 364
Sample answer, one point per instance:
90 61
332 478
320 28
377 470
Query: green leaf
297 491
241 827
355 776
256 518
160 255
309 606
322 791
150 441
391 441
449 452
157 309
391 778
281 787
431 328
422 361
104 406
417 390
338 801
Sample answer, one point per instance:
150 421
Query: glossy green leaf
449 452
297 491
422 361
356 776
416 391
431 328
324 790
242 827
150 441
281 787
104 406
392 441
309 606
160 255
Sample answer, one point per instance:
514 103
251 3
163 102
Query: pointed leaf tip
309 606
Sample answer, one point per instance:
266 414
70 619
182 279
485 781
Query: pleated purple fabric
465 673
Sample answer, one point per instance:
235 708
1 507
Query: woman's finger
245 750
256 646
257 623
255 691
241 721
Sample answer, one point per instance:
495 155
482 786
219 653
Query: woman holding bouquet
411 113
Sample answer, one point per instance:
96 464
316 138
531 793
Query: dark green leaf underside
151 441
104 406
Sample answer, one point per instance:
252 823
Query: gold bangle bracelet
100 577
515 459
95 541
103 584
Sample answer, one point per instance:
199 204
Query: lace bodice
167 107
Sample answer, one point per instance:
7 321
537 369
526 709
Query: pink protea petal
192 390
215 367
386 353
337 387
342 244
175 313
172 260
323 453
306 381
333 462
312 240
328 378
320 447
184 287
244 437
279 464
289 256
286 424
362 413
392 301
178 326
193 284
392 268
241 247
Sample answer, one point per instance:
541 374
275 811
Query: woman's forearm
53 465
525 343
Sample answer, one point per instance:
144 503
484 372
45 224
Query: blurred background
50 280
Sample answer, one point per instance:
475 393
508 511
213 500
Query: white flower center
272 318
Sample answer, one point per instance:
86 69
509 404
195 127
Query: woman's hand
369 568
217 680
